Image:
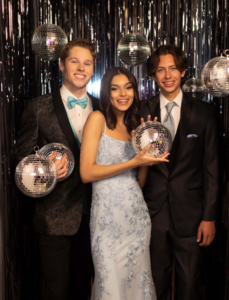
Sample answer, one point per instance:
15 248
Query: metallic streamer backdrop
200 28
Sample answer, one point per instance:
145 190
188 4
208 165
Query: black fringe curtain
200 28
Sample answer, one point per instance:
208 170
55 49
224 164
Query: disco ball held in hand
133 49
208 77
60 150
36 176
48 41
155 134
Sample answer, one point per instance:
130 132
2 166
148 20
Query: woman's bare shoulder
97 115
96 120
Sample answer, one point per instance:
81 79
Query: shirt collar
164 101
65 93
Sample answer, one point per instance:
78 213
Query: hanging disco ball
36 176
155 134
133 49
207 76
194 88
60 150
48 41
220 74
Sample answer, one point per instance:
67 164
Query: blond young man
61 218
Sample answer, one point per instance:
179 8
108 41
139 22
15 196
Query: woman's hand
148 119
144 159
142 121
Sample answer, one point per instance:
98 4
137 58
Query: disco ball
61 150
133 49
220 75
36 176
207 76
194 88
155 134
48 41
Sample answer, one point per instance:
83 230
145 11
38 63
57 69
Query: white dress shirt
77 114
175 111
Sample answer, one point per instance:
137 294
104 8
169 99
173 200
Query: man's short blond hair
79 42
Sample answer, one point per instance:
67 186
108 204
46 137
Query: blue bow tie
73 101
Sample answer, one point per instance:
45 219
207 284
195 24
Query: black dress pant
166 246
66 265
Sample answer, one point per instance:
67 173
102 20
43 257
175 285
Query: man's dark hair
180 59
132 115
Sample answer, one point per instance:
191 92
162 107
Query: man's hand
207 231
61 164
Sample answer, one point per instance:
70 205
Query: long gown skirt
120 230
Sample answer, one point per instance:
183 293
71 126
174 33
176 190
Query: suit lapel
182 132
64 122
154 108
95 102
174 148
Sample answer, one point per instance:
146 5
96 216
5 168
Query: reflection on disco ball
60 150
194 88
155 134
36 176
220 75
206 77
133 49
48 41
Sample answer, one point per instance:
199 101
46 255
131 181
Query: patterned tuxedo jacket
45 121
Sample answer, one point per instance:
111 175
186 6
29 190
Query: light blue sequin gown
120 230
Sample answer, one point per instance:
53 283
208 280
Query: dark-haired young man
61 218
181 195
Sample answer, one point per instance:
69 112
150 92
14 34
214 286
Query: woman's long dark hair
132 115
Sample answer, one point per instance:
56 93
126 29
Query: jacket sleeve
28 134
211 168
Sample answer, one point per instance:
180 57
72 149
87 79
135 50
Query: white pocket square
192 136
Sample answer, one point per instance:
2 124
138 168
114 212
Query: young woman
120 222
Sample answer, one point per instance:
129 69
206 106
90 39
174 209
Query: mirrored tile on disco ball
36 176
60 150
155 134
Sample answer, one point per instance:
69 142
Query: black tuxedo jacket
45 121
190 180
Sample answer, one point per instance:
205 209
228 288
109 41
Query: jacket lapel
174 148
182 132
95 102
154 108
64 122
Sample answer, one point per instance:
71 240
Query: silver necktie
168 120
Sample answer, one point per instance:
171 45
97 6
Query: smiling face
77 70
121 94
168 77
